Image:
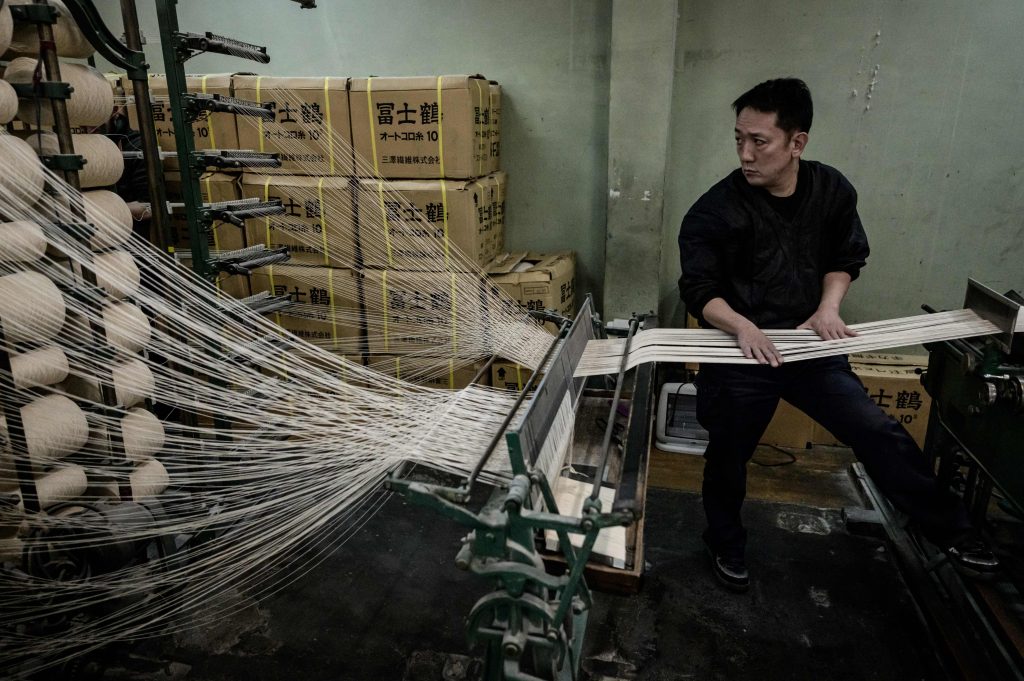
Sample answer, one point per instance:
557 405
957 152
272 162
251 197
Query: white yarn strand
312 433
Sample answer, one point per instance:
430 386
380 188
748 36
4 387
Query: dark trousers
735 403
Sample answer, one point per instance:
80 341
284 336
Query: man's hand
756 345
828 325
752 341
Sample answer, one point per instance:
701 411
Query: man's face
769 156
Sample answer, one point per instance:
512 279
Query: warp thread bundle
310 434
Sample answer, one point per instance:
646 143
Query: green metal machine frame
531 624
178 47
977 390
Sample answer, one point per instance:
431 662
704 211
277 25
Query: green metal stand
186 108
532 623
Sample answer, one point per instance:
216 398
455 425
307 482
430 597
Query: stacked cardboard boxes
311 130
428 127
379 177
437 140
210 131
538 281
893 381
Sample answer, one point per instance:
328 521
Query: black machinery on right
976 436
977 390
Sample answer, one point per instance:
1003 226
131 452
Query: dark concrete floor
389 604
822 605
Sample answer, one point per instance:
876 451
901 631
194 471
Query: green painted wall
937 158
551 59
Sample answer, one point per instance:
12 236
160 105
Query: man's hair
788 98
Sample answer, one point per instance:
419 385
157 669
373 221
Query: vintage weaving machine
532 623
977 389
976 437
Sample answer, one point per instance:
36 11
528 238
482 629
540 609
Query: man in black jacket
775 245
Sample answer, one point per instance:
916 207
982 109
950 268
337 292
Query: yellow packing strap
259 119
444 209
330 127
334 317
481 140
266 197
455 325
323 221
451 373
519 377
384 288
213 228
270 277
209 199
440 132
384 215
373 132
209 117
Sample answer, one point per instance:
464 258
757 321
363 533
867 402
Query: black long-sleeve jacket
733 244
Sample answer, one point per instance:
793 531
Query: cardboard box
311 129
538 281
416 311
326 311
894 383
234 285
215 187
432 372
424 127
419 224
789 427
494 137
209 131
509 375
317 226
230 285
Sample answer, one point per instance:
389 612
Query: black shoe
972 556
730 571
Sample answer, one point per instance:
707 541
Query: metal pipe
48 54
483 370
609 429
160 225
512 412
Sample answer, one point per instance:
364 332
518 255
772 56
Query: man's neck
787 185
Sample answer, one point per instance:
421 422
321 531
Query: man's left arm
826 321
847 255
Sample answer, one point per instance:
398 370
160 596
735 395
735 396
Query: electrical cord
791 460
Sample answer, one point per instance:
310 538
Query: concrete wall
934 152
550 57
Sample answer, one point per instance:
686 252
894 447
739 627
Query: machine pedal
244 260
198 43
266 303
238 212
195 103
236 158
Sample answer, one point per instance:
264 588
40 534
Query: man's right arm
752 341
702 241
